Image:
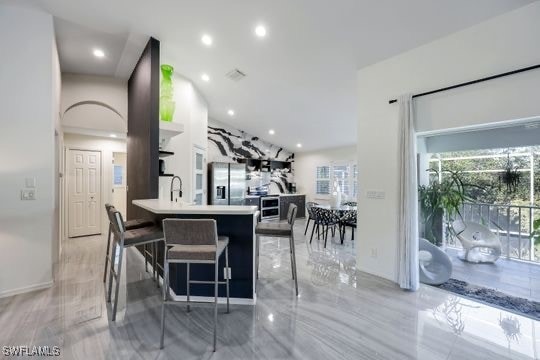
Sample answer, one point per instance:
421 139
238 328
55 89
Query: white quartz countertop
158 206
258 196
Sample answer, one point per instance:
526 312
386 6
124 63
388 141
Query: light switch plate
28 195
375 194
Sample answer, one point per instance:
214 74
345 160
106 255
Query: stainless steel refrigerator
227 183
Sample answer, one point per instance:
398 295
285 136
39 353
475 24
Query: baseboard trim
26 289
199 299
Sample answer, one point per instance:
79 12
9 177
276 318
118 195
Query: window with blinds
345 174
342 177
322 186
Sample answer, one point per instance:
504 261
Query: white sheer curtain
408 197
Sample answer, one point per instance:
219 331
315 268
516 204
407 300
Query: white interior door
84 196
199 183
119 196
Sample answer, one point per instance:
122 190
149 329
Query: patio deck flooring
515 278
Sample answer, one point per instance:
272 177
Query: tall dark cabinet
143 130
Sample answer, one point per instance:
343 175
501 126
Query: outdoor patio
513 277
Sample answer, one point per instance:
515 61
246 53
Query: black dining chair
326 220
348 219
309 207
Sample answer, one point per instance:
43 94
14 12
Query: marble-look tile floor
340 314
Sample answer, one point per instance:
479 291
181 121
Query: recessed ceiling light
113 135
205 77
98 53
271 132
207 40
298 145
230 112
267 150
260 31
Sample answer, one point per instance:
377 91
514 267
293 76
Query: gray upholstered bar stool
130 225
280 230
124 239
193 241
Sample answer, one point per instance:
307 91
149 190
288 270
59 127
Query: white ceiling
301 78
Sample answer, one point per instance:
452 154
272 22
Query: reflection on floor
512 277
340 314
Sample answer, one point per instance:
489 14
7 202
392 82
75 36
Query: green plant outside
440 203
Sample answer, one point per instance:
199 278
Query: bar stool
280 230
130 225
124 239
193 241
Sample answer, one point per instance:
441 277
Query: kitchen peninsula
238 223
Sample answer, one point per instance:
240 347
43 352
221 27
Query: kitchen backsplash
227 144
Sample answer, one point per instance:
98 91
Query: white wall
192 112
94 102
305 167
58 155
501 44
29 108
107 146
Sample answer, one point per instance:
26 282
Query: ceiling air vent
235 75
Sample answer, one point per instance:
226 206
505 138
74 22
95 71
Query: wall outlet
227 273
28 194
374 253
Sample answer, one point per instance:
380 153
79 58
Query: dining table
339 208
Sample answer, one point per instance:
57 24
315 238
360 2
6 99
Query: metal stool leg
215 302
165 293
227 277
145 250
291 255
293 263
187 287
155 263
118 277
111 271
107 254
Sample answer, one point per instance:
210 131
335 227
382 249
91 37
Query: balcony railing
512 223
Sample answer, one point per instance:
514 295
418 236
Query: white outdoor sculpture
480 245
435 265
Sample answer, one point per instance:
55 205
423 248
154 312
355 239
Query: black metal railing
512 223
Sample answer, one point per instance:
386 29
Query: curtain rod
473 82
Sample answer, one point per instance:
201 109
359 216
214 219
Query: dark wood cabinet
298 200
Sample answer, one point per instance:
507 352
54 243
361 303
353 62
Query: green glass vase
166 103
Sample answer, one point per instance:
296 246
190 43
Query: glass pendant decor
166 102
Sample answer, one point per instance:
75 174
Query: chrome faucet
179 190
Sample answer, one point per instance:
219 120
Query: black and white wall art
227 144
